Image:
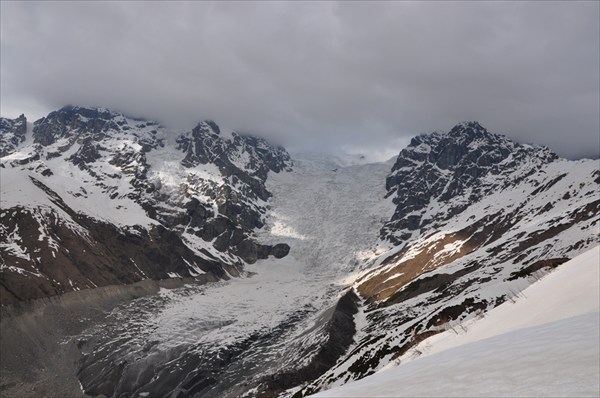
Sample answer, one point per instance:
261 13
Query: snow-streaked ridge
546 343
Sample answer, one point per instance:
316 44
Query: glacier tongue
247 327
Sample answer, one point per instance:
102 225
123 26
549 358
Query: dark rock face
76 123
538 265
12 133
340 329
245 162
280 250
245 159
440 167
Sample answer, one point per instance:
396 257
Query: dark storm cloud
359 75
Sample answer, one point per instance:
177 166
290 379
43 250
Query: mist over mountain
323 74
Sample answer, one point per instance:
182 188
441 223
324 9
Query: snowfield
546 343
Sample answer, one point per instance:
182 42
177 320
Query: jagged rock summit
462 166
13 134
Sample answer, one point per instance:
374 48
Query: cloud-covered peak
315 74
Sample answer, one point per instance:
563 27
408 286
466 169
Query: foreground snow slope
544 344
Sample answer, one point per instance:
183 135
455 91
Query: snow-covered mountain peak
473 134
103 170
467 145
468 128
12 134
463 165
478 217
80 123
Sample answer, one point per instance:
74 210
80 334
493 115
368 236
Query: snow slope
544 344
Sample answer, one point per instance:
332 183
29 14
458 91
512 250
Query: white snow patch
138 268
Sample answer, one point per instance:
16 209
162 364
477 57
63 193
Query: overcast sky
351 75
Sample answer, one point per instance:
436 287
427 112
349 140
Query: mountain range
286 275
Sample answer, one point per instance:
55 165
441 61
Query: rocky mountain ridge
466 164
117 182
13 134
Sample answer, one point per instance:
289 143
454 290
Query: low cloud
316 74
